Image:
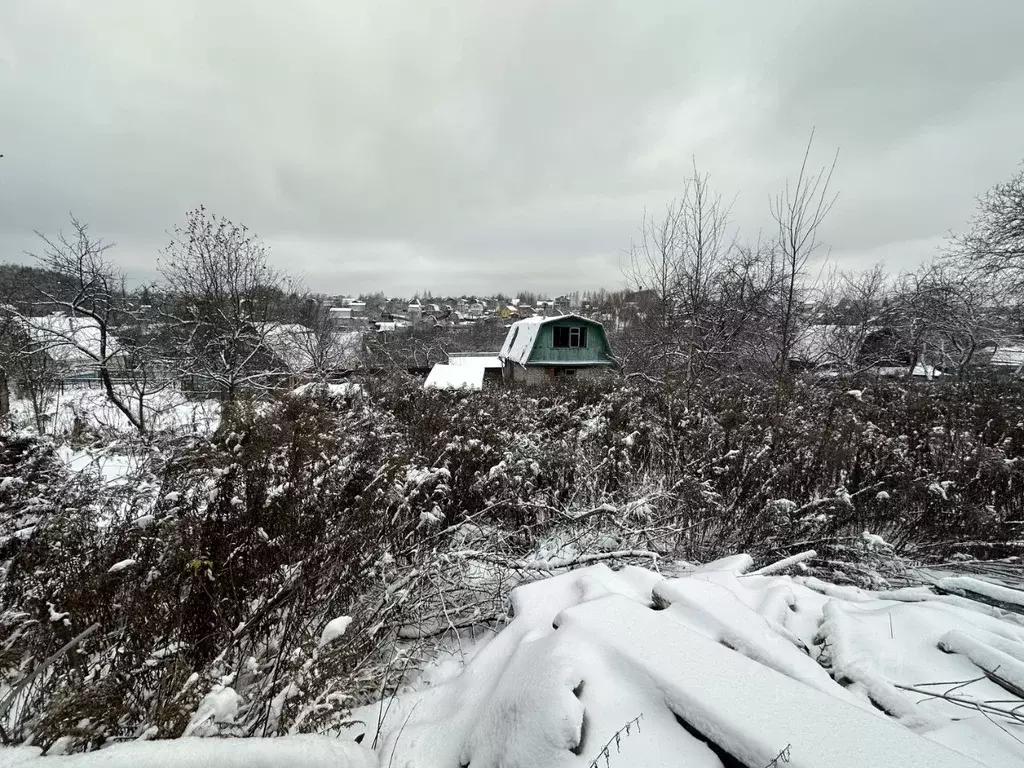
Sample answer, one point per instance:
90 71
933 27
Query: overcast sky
481 146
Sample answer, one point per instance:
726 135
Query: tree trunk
5 395
115 399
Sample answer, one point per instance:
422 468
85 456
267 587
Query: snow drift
718 668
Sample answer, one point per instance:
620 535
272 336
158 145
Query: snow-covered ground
626 668
169 409
110 466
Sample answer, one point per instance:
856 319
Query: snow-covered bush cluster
195 598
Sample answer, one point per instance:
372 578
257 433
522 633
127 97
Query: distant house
476 309
541 349
826 346
1009 356
73 346
847 347
388 326
297 349
290 345
339 317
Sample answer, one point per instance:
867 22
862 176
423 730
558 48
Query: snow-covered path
720 668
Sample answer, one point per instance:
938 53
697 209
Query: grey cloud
479 146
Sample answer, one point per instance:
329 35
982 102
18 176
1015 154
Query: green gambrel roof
523 335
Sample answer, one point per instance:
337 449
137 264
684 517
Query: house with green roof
539 350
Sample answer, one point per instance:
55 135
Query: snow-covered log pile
720 667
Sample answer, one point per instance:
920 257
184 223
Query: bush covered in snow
204 585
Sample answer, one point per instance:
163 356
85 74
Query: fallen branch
616 739
782 757
980 591
966 701
783 564
433 627
49 660
554 565
999 667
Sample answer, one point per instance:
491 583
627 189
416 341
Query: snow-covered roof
298 347
823 344
482 361
1009 356
292 344
383 326
455 377
520 339
522 335
921 370
69 340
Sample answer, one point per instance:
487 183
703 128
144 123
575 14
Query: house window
570 337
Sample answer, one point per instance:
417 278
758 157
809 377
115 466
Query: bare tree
749 287
707 302
677 268
94 302
224 301
314 349
942 312
994 245
798 211
32 374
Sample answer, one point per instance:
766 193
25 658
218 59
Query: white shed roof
480 361
455 377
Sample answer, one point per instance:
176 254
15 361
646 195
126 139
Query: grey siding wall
533 375
593 372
